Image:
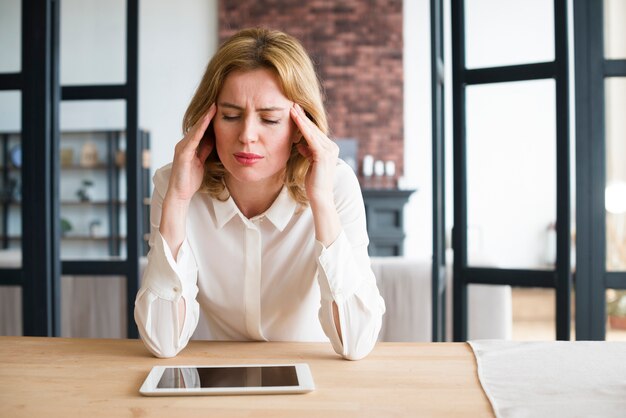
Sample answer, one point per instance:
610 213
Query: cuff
339 276
167 278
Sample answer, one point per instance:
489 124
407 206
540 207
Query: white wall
417 127
177 40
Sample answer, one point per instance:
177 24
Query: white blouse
265 278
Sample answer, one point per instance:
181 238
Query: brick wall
356 46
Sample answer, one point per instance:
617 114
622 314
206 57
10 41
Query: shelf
100 166
90 238
72 238
92 202
146 201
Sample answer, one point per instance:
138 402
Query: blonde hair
247 50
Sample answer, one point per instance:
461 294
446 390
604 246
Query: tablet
249 379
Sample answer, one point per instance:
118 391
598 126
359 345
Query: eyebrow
262 109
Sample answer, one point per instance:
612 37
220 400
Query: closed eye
271 121
230 117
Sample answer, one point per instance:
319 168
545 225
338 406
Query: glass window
614 29
93 180
533 314
10 179
511 174
11 310
502 33
10 36
489 313
93 42
615 192
93 306
616 314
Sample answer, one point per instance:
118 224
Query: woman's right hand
189 156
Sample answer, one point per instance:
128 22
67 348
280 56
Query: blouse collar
279 213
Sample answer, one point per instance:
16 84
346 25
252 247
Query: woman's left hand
322 154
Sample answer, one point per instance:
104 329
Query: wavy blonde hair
251 49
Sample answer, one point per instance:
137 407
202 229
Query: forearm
326 220
173 223
350 296
327 229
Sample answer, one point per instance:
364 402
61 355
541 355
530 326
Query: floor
533 317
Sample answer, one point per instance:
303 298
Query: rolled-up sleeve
346 278
165 281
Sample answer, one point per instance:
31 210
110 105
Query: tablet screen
227 377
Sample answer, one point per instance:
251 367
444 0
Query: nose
249 131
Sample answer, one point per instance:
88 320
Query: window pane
93 42
508 32
614 29
511 174
534 314
489 313
616 315
10 310
93 180
93 306
10 179
615 193
10 36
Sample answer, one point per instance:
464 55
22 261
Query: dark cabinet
384 209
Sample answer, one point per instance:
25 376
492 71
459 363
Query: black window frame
560 278
592 69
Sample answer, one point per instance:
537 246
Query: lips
246 158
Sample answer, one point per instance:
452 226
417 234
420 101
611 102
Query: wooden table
55 377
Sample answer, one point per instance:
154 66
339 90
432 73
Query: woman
257 228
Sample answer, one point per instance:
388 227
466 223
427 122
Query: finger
204 149
307 128
197 131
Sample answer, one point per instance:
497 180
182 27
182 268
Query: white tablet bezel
305 380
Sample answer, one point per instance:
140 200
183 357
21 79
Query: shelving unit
99 222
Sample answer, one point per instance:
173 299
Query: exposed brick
356 46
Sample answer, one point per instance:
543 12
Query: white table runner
553 379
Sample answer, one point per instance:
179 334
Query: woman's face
253 128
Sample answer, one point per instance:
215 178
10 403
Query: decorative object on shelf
89 154
390 174
95 228
66 227
67 157
84 193
390 168
379 168
368 166
120 158
145 158
7 193
16 156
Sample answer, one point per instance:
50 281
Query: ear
297 137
